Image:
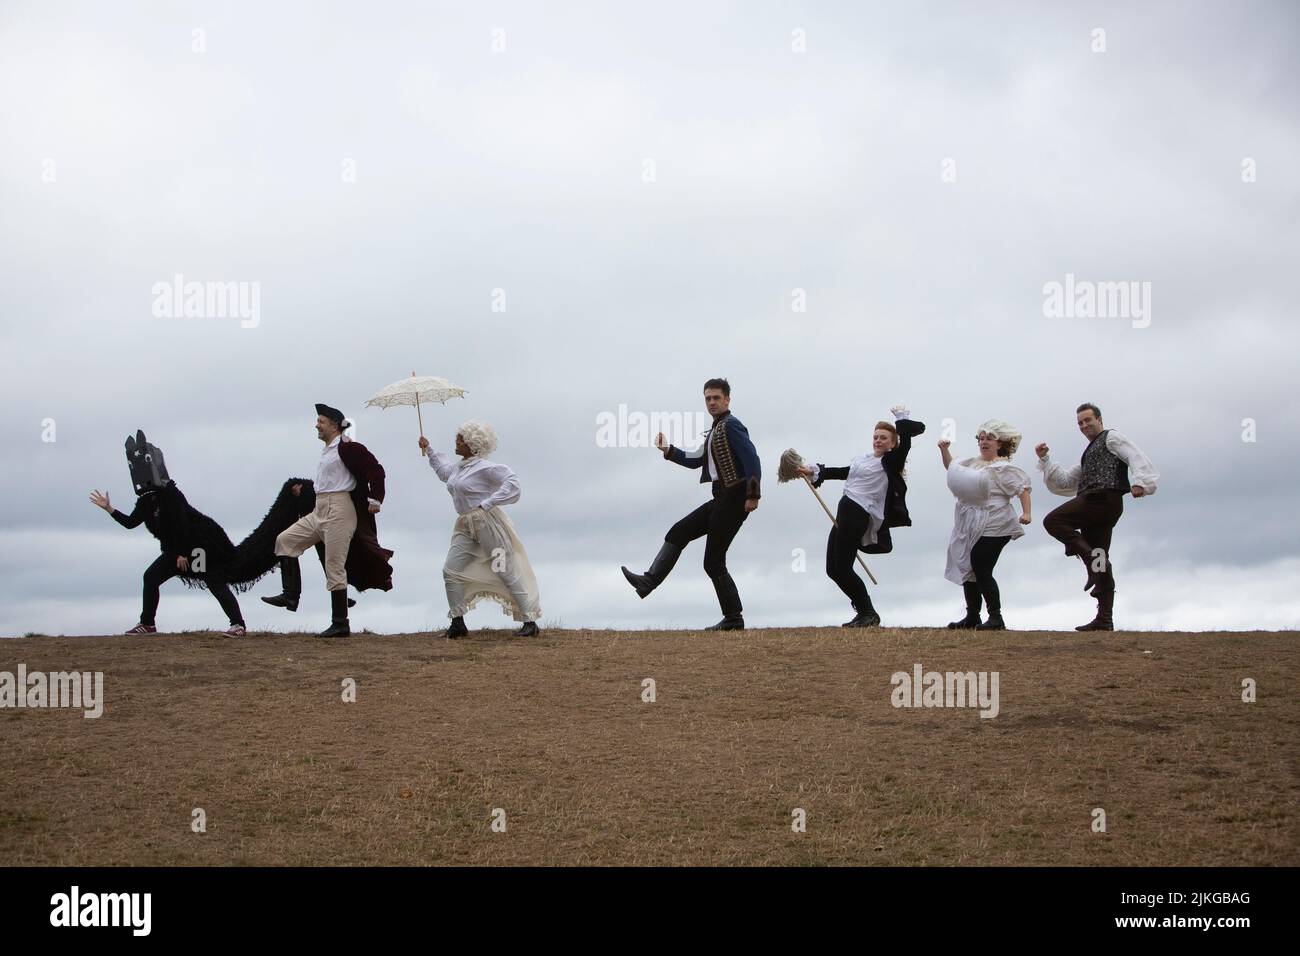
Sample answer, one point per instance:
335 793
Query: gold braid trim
722 457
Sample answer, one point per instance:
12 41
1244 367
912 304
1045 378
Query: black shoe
732 622
867 618
290 584
1097 624
529 629
967 622
994 623
456 629
1101 622
1105 607
640 582
659 568
339 608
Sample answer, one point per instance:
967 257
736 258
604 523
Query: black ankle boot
973 602
1105 606
732 622
994 623
867 618
659 568
456 629
290 585
529 629
339 614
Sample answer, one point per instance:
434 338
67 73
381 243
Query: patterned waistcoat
1101 469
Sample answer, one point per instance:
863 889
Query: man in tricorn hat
349 490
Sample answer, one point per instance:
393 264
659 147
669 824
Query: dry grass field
745 728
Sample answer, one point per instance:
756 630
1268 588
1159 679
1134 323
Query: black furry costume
181 528
214 562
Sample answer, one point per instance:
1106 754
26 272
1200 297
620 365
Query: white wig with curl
1004 431
479 436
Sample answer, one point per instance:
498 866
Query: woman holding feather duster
874 500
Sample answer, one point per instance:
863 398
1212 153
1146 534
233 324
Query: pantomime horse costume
212 561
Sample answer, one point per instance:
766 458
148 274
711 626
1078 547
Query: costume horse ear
148 471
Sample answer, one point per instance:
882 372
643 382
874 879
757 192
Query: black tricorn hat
148 470
333 414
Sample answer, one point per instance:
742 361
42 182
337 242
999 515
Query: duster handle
808 482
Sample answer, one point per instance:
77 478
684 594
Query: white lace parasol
413 391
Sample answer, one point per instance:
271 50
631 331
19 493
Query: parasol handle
420 418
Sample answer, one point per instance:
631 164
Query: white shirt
706 448
866 485
475 482
331 473
1065 481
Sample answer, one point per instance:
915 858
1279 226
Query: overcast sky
652 191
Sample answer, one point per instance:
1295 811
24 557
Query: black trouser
983 557
164 569
1083 524
851 523
717 521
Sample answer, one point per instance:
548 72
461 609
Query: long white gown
984 491
486 559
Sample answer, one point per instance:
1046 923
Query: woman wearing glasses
984 519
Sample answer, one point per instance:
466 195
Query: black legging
842 548
983 557
162 570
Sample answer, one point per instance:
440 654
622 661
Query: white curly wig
479 436
1004 431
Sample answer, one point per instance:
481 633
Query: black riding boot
659 568
456 629
291 585
973 602
339 612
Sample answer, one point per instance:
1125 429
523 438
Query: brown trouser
1084 525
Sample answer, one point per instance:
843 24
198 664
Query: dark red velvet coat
367 565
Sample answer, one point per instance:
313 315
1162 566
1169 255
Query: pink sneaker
142 629
236 630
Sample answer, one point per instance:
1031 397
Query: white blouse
984 491
866 485
989 486
475 482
